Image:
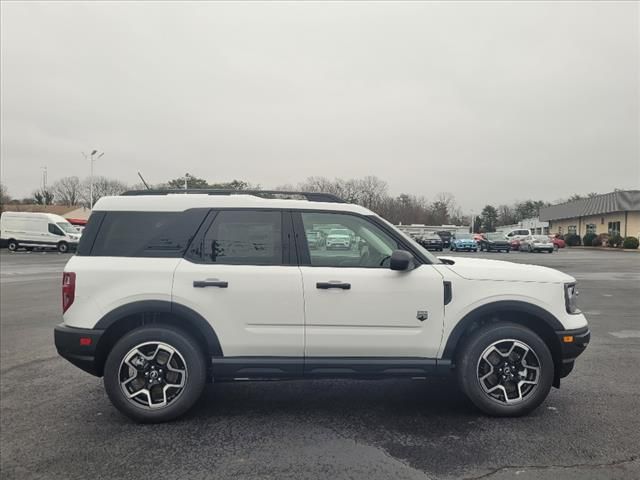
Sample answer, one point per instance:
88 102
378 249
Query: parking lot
56 421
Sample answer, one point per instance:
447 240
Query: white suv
170 290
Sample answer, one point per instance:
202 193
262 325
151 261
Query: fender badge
422 315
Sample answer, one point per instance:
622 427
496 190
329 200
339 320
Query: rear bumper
83 356
571 348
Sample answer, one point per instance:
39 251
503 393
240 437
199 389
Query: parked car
446 238
464 241
338 238
314 239
477 236
210 288
494 242
31 230
515 244
537 243
431 241
557 242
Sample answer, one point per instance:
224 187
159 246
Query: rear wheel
12 245
505 369
155 374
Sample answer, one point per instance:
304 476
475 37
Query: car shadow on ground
336 398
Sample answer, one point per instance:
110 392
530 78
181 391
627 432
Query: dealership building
613 213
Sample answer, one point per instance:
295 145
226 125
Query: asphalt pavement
56 421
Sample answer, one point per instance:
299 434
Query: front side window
349 241
53 228
67 227
238 237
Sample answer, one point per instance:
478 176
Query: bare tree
67 190
43 196
102 186
372 191
4 197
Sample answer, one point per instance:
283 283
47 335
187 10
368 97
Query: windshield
542 238
340 231
463 236
425 253
495 236
67 227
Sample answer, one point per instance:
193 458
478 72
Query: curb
605 249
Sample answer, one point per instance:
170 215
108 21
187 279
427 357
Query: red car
515 244
557 242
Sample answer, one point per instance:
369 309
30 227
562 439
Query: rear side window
239 237
146 234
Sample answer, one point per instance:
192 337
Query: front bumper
572 344
82 355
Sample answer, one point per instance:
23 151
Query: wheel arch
539 320
125 318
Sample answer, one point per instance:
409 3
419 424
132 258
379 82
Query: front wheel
12 245
155 373
505 369
63 247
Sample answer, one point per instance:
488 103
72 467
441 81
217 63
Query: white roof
42 215
179 201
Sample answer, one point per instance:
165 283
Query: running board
326 367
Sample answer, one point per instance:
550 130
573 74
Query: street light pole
92 158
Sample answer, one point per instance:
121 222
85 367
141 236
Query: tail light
68 290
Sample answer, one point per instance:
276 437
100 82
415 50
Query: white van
37 230
517 234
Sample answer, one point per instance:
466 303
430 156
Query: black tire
468 365
63 247
12 245
195 365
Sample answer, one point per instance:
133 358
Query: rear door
239 275
355 306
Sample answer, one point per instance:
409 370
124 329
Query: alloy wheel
152 375
508 371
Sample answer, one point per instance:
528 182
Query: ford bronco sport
173 289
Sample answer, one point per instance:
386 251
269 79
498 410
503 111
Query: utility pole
92 158
44 178
186 176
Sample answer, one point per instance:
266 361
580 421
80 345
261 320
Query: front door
237 276
355 306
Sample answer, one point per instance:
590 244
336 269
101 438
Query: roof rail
310 196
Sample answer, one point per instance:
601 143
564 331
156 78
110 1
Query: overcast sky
492 102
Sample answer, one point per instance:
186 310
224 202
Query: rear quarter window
141 234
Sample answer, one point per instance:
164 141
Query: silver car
536 243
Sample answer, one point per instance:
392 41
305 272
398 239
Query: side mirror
401 260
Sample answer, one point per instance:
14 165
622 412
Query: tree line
369 191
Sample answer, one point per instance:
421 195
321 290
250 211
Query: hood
505 241
481 269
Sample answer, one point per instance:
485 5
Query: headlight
571 297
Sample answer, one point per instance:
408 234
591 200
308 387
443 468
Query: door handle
333 284
209 283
